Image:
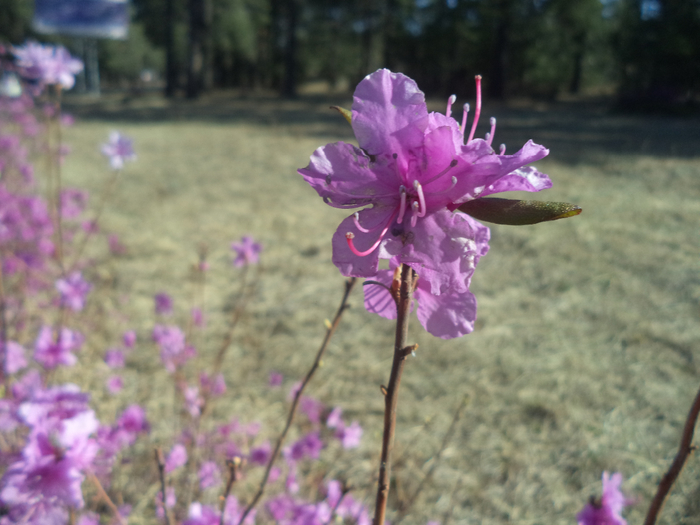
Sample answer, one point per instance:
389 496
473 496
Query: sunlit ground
585 354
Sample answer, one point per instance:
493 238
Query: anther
328 180
477 111
492 121
450 101
502 150
402 207
421 198
465 112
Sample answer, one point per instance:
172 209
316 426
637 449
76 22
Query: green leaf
516 212
345 112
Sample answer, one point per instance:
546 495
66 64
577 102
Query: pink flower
334 419
47 64
410 170
247 251
209 475
447 315
73 290
14 357
115 384
114 358
176 458
608 509
349 436
51 353
129 339
164 304
118 150
275 379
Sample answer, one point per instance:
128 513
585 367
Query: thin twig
401 351
160 461
106 498
403 511
232 465
684 450
349 284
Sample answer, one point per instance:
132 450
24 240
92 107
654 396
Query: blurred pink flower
118 150
114 358
176 458
164 304
349 436
73 290
608 509
275 379
47 64
13 357
129 339
247 251
209 475
51 353
115 384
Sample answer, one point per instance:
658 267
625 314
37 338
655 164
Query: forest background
647 52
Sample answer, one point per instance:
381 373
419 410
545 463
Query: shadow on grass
575 131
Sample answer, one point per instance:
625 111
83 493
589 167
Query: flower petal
349 264
378 300
384 103
346 177
522 179
447 315
443 249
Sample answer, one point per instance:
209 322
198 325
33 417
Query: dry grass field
586 354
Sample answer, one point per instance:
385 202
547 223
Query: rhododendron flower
308 446
209 475
114 358
163 304
115 384
447 315
13 357
176 458
118 150
608 509
275 379
261 455
129 339
411 168
73 290
247 251
349 436
51 353
47 64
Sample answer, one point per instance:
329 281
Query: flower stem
391 393
684 450
349 284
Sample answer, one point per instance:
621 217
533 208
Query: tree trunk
289 82
170 64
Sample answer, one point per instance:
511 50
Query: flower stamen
416 211
454 183
453 163
477 111
450 101
492 121
402 206
465 113
502 150
349 236
421 198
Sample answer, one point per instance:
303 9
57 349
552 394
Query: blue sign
85 18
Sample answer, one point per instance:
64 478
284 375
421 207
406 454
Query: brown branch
684 450
232 465
106 498
292 411
401 351
160 461
403 511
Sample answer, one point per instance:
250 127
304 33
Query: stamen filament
453 163
450 101
349 236
414 218
503 150
402 207
356 220
492 121
465 113
477 111
421 198
454 183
